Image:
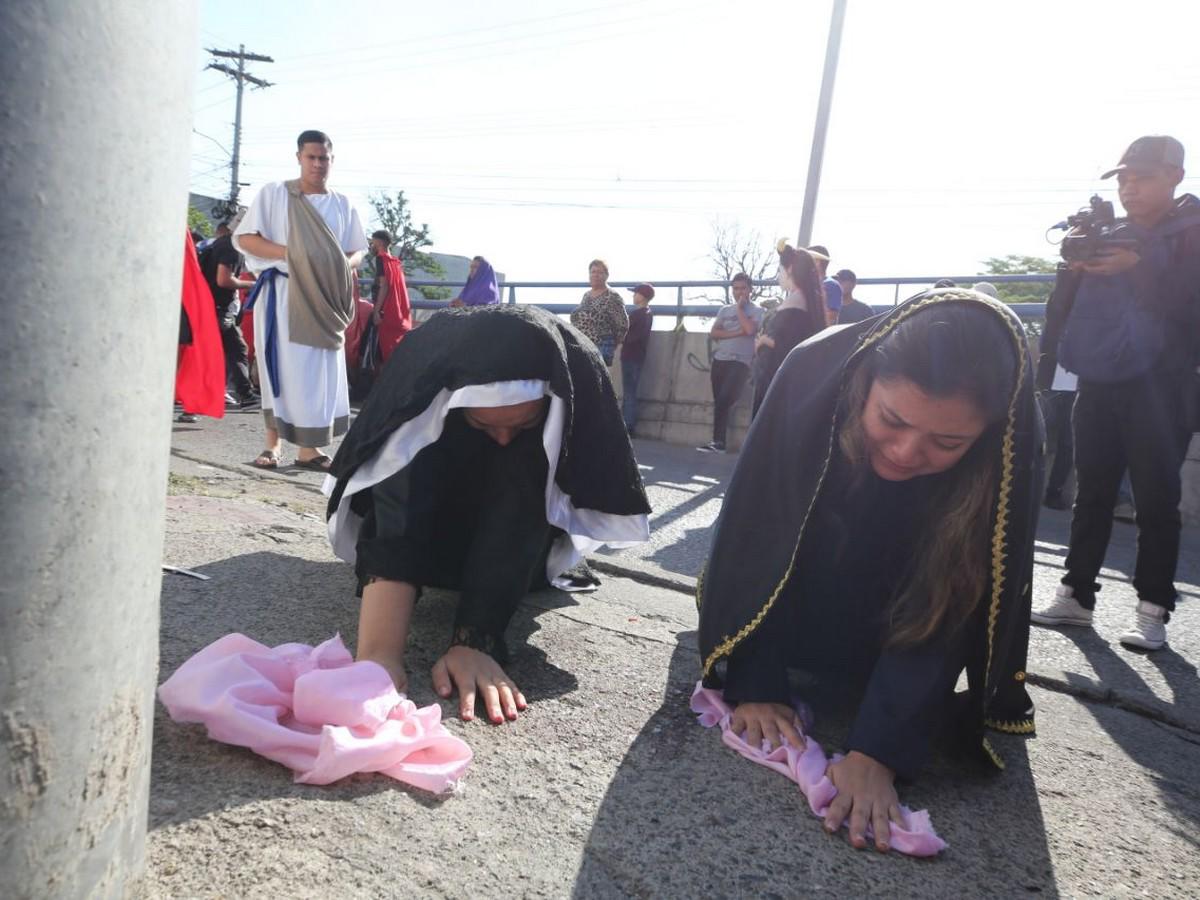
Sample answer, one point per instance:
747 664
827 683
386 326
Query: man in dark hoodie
1125 322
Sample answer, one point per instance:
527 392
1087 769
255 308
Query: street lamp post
823 106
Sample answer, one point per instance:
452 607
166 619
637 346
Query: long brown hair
802 269
954 349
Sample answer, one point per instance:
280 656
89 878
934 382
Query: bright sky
543 133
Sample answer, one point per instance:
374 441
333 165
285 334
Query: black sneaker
579 577
187 418
250 402
712 447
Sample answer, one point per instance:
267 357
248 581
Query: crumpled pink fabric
807 768
315 710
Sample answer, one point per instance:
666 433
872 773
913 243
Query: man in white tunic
302 302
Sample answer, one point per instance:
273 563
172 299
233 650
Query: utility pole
241 76
823 106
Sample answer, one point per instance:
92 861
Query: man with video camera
1125 317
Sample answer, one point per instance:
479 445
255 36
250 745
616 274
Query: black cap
646 290
1149 153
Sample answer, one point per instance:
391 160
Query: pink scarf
807 768
316 711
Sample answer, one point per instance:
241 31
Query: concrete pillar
95 121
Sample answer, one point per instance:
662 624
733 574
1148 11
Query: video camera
1092 231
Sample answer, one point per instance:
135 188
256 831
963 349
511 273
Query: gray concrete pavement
606 787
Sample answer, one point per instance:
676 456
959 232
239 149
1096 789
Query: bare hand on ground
773 721
473 672
867 795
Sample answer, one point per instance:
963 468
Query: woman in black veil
878 534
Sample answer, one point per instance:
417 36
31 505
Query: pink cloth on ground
315 710
807 768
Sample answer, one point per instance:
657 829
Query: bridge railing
513 292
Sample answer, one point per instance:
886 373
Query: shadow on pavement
1142 745
684 816
275 598
687 555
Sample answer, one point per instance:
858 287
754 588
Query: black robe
596 490
782 470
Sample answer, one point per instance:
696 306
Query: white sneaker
1064 609
1149 631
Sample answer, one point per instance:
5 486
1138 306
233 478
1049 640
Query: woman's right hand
773 721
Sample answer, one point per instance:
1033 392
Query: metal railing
682 309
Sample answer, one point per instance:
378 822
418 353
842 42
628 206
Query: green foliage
1015 264
198 221
393 214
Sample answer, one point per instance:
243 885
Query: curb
643 573
1093 692
248 471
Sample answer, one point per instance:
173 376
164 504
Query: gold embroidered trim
727 645
1014 726
996 760
1000 528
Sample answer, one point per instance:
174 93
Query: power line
408 41
214 140
241 76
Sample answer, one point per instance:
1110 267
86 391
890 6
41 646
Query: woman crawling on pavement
489 459
877 535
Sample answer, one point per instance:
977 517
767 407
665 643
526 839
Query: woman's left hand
867 795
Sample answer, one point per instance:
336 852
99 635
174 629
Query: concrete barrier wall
675 404
675 401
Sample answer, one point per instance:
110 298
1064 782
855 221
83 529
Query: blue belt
271 338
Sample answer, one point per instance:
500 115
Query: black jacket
1174 292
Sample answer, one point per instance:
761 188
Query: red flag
200 377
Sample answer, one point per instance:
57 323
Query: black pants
1139 424
728 378
1058 422
237 365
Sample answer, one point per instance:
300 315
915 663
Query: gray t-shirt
741 348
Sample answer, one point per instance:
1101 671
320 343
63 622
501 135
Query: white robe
313 406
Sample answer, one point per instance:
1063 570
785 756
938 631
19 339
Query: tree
198 221
1015 264
736 251
393 214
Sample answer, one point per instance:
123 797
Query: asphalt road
607 787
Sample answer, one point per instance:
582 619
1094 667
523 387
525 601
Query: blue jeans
631 374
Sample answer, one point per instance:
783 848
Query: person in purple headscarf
481 288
